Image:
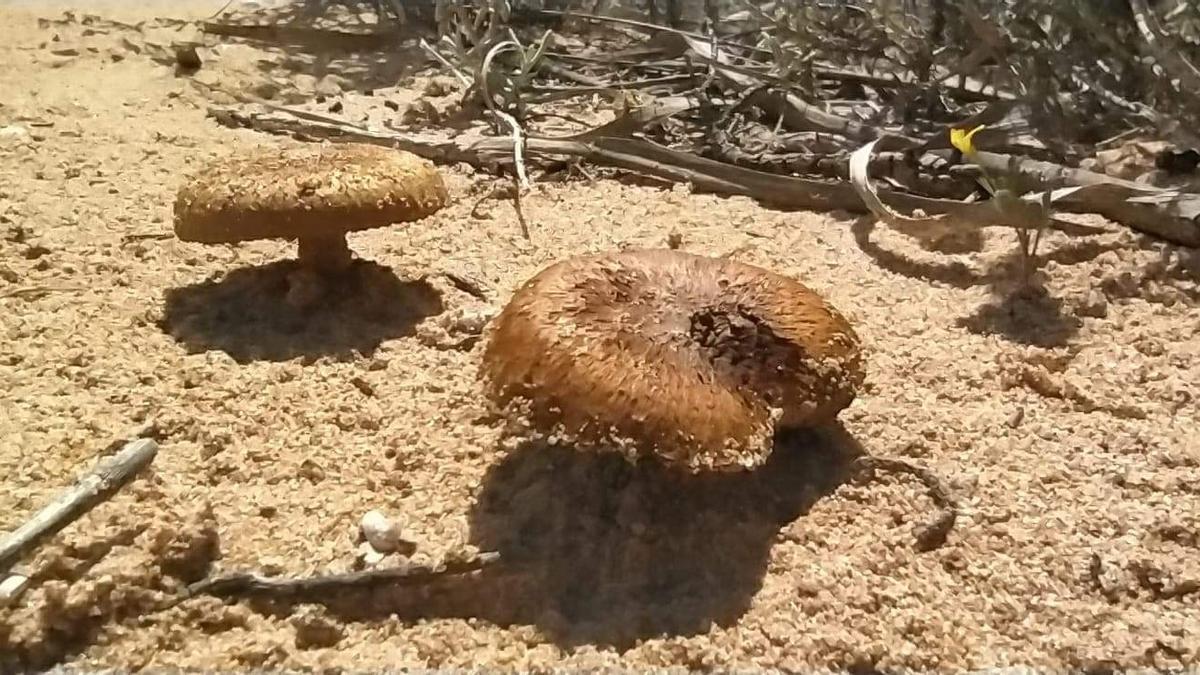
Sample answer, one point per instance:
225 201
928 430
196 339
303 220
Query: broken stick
408 574
1170 215
933 534
89 490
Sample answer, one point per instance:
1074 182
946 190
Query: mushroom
315 194
691 359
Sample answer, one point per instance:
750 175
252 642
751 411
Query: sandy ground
1066 423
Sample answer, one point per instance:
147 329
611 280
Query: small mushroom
691 359
314 194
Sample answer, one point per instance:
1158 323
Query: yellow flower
961 139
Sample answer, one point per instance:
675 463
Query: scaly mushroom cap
307 191
693 359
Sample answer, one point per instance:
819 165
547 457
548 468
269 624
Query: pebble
330 85
14 133
11 588
1095 305
315 629
382 533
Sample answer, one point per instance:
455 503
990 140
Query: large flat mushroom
313 193
694 360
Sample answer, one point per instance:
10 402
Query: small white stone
14 133
11 588
380 531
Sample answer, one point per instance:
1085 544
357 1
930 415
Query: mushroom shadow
623 552
596 550
249 315
1029 316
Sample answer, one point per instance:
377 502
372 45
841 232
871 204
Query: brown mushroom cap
693 359
306 191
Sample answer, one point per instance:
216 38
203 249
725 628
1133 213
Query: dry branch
1096 576
407 574
1169 58
1169 214
933 534
1024 213
33 292
898 76
89 490
1162 213
284 34
1157 582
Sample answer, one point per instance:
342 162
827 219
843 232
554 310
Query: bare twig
12 586
462 77
1171 59
518 141
474 287
146 236
1096 576
651 28
32 292
1020 213
408 574
933 534
1154 580
219 11
1166 214
518 149
89 490
293 34
565 73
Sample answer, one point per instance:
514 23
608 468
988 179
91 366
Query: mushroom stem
325 253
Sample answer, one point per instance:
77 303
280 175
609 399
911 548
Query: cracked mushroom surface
691 359
315 194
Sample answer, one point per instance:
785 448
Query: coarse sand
1066 422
